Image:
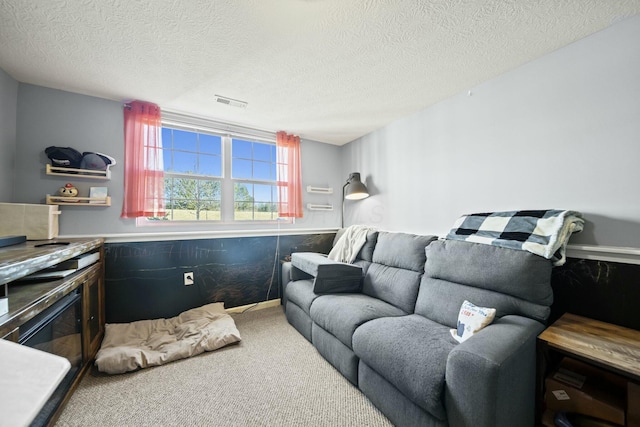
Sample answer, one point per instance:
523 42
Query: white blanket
131 346
350 243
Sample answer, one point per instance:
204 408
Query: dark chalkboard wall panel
144 280
601 290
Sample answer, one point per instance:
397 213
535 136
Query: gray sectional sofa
388 331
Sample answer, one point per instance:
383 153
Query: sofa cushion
411 353
301 294
340 315
329 275
401 250
394 285
398 264
509 280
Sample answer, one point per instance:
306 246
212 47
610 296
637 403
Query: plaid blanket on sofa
542 232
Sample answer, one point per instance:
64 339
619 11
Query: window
192 175
213 176
253 170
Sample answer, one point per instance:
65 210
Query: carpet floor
273 377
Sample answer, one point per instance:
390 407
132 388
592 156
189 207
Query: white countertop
28 377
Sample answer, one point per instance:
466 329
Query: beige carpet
274 377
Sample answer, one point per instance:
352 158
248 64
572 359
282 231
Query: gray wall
48 117
8 106
560 132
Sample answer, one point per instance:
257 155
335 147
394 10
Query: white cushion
471 319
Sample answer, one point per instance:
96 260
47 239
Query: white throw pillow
471 319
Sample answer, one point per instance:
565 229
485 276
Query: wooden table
610 347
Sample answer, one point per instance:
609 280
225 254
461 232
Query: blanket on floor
542 232
132 346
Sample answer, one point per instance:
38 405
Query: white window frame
227 132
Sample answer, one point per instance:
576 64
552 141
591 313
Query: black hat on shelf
66 157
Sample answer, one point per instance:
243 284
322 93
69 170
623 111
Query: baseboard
253 307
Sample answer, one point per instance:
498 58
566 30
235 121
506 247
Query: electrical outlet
188 278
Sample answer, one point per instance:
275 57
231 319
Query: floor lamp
354 189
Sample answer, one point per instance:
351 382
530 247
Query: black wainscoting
601 290
144 280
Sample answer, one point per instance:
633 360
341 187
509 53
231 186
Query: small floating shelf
78 173
314 207
79 201
319 190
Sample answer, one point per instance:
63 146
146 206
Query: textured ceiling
327 70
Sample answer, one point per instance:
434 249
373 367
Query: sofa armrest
290 273
490 378
329 276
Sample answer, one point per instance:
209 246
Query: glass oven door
57 330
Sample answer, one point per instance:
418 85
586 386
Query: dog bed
132 346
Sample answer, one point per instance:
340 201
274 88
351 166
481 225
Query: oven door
57 330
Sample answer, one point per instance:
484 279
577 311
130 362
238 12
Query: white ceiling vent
230 102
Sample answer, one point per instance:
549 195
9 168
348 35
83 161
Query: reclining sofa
387 326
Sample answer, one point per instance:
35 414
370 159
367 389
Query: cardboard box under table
37 222
585 389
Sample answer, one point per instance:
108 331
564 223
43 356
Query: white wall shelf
315 207
319 190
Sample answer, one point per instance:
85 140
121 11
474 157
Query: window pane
166 138
210 213
168 188
183 140
184 189
166 159
243 202
210 144
262 170
241 169
209 190
243 212
261 151
210 165
184 214
262 193
185 162
241 149
243 192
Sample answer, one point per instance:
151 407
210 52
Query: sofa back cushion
396 267
509 280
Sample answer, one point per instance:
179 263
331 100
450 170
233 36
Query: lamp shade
355 189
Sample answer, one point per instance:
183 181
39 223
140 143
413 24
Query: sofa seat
418 371
340 315
300 296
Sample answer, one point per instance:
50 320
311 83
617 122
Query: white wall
48 117
560 132
8 103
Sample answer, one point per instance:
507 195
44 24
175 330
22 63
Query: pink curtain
143 171
289 176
